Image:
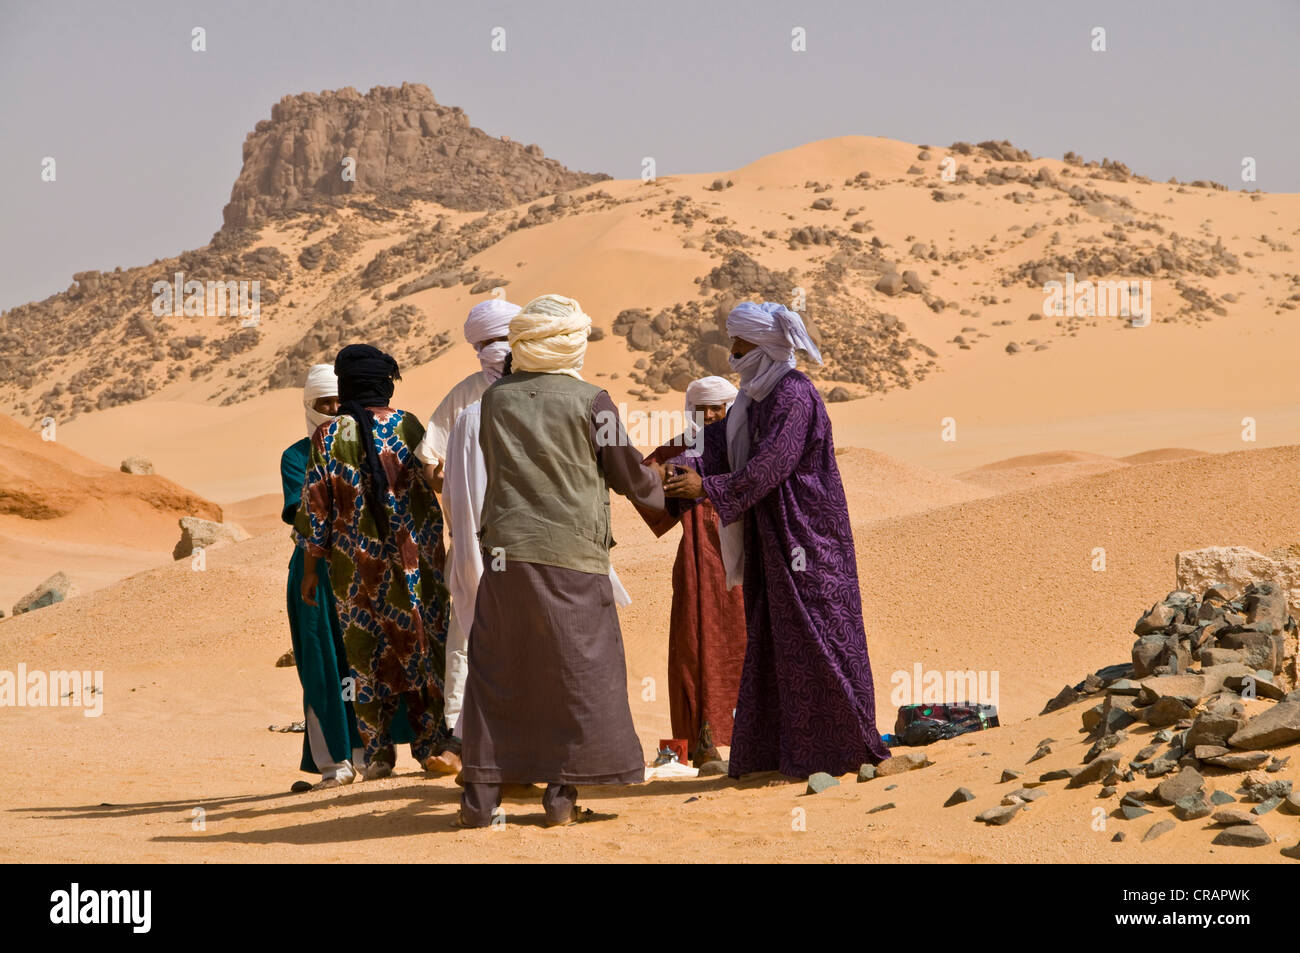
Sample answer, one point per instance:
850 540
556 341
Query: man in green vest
546 699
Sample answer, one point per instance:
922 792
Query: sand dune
61 512
1038 469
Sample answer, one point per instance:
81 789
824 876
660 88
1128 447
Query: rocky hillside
403 145
899 256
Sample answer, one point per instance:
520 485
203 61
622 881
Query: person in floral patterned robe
368 509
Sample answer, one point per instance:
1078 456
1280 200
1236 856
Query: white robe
433 447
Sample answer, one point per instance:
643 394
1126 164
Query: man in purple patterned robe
807 701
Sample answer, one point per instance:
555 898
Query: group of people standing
500 659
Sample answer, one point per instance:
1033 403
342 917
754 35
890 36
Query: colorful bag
924 724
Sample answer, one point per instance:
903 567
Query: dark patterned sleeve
313 526
619 460
771 462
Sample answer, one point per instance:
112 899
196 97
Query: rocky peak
405 145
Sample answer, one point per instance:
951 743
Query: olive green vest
547 500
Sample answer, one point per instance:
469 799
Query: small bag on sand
924 724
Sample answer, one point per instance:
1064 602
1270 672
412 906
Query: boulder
1097 769
890 284
54 589
959 796
819 781
140 465
199 533
1201 569
1277 725
1243 835
1186 783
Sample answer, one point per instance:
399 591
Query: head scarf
709 392
549 336
366 377
487 320
777 333
321 382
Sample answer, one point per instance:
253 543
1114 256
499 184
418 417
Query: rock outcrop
402 145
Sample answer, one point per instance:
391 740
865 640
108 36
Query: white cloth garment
777 332
433 448
463 487
709 392
489 319
321 382
320 750
549 336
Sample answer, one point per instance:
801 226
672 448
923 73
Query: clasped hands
681 482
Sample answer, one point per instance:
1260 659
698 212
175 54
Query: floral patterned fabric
391 597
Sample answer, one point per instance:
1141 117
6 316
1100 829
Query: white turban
487 320
321 382
777 332
709 392
549 336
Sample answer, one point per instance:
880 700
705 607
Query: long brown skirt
546 699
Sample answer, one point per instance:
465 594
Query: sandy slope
1000 582
60 511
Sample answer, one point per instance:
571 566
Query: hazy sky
147 134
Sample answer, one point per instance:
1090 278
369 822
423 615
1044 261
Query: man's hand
310 581
684 483
433 474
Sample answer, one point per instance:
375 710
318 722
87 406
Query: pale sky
147 133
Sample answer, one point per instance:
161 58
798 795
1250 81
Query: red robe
706 636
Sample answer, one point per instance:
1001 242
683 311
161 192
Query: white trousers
457 671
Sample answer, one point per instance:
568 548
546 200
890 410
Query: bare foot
446 763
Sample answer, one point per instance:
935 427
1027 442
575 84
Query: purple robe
807 701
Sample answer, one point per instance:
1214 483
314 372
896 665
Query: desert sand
975 552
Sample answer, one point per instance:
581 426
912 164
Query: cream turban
489 319
549 336
709 392
321 382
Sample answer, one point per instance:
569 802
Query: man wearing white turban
706 631
331 736
807 701
485 328
546 700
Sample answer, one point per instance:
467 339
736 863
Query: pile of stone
1210 692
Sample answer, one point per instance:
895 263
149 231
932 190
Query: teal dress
317 639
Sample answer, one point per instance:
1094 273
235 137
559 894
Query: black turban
366 376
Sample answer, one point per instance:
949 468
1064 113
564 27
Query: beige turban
549 336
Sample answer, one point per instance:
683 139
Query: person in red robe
706 636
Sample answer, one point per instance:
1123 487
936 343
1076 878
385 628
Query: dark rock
1243 835
1278 725
999 815
1096 769
959 796
1185 783
1191 808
